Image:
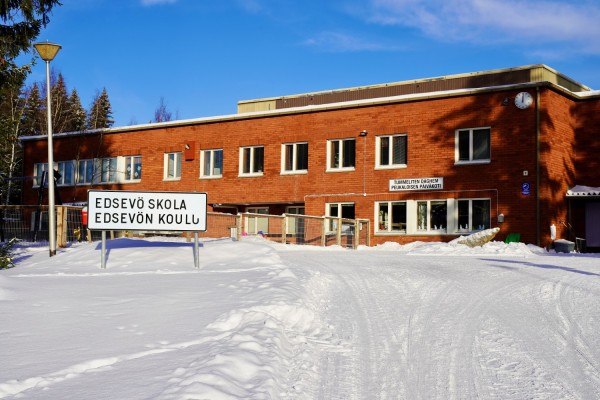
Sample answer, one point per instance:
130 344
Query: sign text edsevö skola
416 184
146 211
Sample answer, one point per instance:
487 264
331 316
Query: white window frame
60 166
210 174
251 160
294 160
255 224
471 131
108 170
333 220
292 222
129 163
85 163
341 142
38 170
470 227
429 228
177 166
379 221
378 151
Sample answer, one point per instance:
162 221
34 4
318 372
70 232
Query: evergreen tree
20 24
100 115
75 114
34 120
60 105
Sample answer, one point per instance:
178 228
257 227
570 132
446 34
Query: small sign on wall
397 185
525 189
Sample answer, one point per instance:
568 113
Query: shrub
6 258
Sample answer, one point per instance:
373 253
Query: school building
427 159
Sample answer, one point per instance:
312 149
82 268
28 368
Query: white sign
147 211
397 185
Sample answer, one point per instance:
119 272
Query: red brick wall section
429 124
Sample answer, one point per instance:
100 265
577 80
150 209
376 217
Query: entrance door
592 227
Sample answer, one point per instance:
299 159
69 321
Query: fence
30 224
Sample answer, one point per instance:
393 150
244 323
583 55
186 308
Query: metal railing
29 224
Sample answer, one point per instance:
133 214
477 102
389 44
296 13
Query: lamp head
47 51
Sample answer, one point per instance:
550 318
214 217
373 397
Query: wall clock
523 100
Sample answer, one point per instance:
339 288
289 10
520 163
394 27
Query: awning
583 191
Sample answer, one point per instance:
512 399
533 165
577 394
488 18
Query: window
256 225
133 168
473 214
172 166
340 154
391 151
252 160
473 145
432 215
38 171
339 210
66 170
295 225
294 158
108 170
211 163
85 172
391 216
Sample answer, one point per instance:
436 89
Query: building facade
425 160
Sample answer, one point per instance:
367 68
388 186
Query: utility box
564 246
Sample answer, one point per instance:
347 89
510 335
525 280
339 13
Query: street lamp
47 52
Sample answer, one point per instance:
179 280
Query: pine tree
60 105
76 113
100 115
34 120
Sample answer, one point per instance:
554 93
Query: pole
51 215
196 252
103 252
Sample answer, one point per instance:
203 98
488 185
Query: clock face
523 100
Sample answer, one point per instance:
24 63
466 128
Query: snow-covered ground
261 320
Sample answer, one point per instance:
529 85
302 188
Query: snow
261 320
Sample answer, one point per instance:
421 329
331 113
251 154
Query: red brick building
429 159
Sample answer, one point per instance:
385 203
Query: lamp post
47 52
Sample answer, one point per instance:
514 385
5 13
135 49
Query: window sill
301 172
254 175
478 162
350 169
132 181
384 167
171 179
211 177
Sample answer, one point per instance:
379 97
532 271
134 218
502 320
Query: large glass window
392 151
338 210
391 216
108 170
66 173
432 215
473 214
294 157
341 154
38 171
133 168
211 163
473 145
85 172
252 160
172 166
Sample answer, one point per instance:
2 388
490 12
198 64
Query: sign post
147 211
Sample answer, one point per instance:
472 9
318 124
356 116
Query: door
592 227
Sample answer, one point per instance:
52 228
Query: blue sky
203 56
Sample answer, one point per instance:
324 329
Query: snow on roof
581 191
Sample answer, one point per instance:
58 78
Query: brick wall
430 126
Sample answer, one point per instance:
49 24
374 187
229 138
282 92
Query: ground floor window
391 216
432 215
338 210
295 224
473 214
256 225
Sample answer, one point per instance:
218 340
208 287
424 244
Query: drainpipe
537 168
